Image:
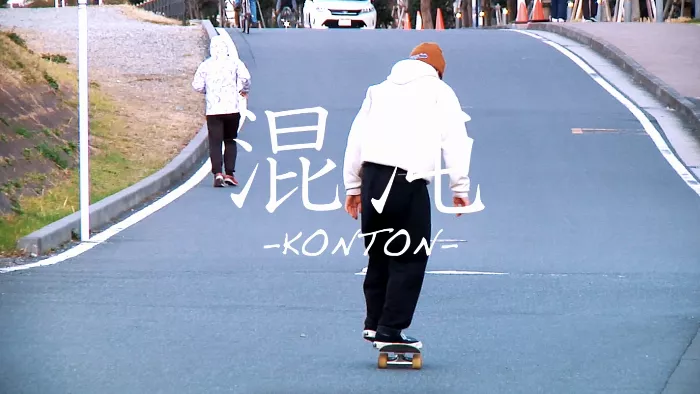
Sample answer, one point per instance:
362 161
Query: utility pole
83 123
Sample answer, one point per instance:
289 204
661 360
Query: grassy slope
116 162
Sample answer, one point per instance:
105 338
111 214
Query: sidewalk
663 57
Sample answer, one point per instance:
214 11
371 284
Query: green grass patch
107 176
23 132
51 81
14 37
55 58
53 154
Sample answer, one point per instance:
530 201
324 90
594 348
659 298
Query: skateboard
396 354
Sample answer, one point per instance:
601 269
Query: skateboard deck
401 355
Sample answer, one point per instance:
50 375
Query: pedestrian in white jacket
405 126
225 81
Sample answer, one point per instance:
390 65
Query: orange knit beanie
430 53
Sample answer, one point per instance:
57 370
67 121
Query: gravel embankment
115 41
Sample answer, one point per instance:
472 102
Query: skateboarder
404 124
224 79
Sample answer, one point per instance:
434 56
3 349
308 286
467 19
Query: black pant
558 9
393 284
223 128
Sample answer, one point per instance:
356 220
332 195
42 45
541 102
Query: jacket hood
218 48
409 70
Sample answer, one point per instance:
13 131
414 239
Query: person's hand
243 94
353 206
460 202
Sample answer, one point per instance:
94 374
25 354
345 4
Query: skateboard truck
397 354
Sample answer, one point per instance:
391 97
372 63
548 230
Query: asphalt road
597 234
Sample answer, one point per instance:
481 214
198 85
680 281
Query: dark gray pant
558 9
393 284
223 129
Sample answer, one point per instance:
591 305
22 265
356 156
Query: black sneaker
369 335
394 337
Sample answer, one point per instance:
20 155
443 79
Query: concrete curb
102 213
687 110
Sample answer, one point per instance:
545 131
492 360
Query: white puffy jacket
222 77
408 121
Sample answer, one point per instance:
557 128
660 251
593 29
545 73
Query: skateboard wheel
383 359
417 361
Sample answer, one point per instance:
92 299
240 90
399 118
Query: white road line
450 246
464 273
655 135
449 272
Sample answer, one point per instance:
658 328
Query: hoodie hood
409 70
218 48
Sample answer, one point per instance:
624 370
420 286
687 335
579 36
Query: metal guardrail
176 9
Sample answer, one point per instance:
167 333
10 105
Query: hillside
38 121
142 108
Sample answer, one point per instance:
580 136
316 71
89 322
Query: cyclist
253 10
285 3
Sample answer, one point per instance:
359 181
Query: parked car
16 3
325 14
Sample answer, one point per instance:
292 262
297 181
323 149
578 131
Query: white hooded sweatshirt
222 77
408 121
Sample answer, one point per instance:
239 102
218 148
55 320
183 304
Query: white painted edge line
457 272
448 272
136 217
655 135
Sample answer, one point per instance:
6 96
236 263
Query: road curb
102 213
685 378
688 110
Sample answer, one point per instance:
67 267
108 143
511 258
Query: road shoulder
688 111
680 137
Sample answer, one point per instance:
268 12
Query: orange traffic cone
407 22
440 24
522 12
419 22
537 12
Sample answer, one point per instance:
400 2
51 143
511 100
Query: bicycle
286 15
246 17
398 13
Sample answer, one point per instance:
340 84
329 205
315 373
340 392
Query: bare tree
512 10
486 8
466 13
426 14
